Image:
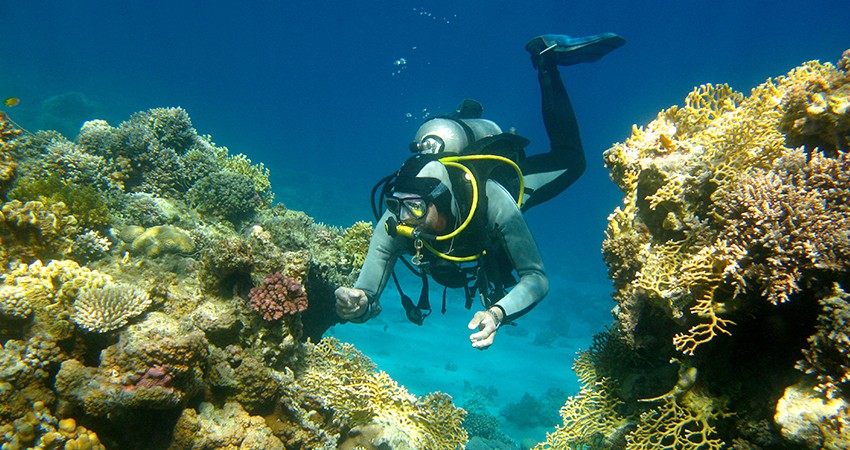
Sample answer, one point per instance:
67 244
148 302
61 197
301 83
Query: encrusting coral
730 257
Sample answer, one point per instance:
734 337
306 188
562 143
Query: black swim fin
565 50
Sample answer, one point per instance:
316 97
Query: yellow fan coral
345 381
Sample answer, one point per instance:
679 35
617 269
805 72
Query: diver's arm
383 253
533 284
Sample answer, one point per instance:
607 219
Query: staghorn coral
109 307
278 295
345 383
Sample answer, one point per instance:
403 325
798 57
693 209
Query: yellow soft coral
345 381
679 423
590 416
355 242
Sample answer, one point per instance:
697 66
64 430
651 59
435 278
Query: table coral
109 307
278 295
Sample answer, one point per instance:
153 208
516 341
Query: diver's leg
548 174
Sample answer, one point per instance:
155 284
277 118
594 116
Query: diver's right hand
351 303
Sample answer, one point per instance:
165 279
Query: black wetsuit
548 174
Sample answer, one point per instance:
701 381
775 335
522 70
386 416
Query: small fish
12 101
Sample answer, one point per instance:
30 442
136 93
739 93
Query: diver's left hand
486 325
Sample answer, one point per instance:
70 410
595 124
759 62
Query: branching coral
828 355
225 195
723 208
109 307
345 382
730 241
278 295
355 242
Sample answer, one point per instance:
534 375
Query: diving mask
416 207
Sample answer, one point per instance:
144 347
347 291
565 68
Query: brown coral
278 295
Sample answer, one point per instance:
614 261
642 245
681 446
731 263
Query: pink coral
278 295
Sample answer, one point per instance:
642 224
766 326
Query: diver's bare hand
486 324
351 303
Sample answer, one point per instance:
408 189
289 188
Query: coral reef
374 409
7 163
161 239
730 258
278 295
109 307
38 428
226 195
137 330
228 427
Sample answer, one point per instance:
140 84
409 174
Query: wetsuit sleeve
507 220
378 266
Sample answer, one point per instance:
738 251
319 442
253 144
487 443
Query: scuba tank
451 135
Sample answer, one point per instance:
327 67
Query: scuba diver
457 204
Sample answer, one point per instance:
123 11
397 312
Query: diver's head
422 194
447 135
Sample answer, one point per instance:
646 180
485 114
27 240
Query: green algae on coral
163 239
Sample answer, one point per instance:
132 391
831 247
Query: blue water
319 93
